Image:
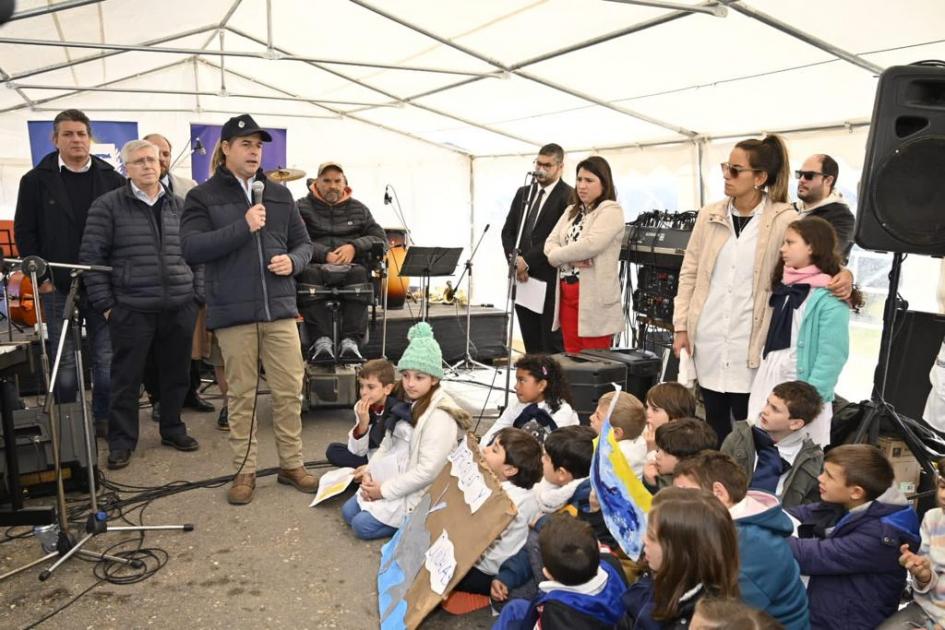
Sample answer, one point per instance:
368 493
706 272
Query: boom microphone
387 197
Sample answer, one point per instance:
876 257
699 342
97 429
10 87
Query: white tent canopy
482 78
448 101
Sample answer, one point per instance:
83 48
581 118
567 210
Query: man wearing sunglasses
547 199
818 197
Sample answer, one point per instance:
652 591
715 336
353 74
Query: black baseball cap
241 126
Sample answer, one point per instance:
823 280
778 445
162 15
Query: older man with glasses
818 197
148 298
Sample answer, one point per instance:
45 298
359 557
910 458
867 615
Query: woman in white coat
585 247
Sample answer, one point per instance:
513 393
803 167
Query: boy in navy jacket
849 542
581 590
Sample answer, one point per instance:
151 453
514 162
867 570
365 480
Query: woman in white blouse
585 247
725 279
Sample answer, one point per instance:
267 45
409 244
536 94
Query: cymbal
285 174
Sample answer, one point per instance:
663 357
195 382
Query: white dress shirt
83 169
724 330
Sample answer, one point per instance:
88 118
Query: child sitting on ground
582 588
768 577
729 614
776 454
566 464
379 508
666 402
692 552
514 456
544 398
675 441
849 543
627 421
373 412
926 569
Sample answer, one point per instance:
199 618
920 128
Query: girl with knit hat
381 505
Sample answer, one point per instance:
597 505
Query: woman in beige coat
585 247
721 312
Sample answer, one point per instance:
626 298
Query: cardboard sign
462 513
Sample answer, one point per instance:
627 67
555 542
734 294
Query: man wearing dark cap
342 232
51 209
251 251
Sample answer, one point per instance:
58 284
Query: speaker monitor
902 190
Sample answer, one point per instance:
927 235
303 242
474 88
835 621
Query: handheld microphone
258 188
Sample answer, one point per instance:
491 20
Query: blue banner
108 137
273 155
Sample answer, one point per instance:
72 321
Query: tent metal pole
341 114
184 110
506 69
269 25
587 43
130 90
54 8
713 9
805 37
104 55
75 92
19 41
26 99
396 99
700 155
849 126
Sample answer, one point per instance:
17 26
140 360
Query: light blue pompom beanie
423 353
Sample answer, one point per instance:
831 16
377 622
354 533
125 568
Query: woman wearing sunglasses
585 247
721 308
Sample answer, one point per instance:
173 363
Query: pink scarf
805 275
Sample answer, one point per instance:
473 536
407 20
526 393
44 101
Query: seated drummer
342 232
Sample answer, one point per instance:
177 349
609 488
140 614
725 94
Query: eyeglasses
150 161
808 175
547 166
734 170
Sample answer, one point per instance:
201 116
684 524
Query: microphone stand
510 297
467 363
196 146
97 521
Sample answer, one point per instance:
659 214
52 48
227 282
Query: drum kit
396 245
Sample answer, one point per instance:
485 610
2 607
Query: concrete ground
273 563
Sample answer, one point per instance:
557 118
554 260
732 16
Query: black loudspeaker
916 340
902 190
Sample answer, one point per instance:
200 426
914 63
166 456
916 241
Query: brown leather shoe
241 492
302 479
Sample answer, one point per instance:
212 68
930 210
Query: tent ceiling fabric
502 85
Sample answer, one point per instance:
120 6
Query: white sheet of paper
531 294
441 563
470 479
332 483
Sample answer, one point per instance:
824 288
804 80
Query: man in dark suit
51 209
548 197
818 197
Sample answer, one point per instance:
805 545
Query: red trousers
568 318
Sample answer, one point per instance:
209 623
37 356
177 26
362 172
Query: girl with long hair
691 551
808 328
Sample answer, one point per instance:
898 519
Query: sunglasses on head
734 170
808 175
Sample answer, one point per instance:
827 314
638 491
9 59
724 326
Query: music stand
426 263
